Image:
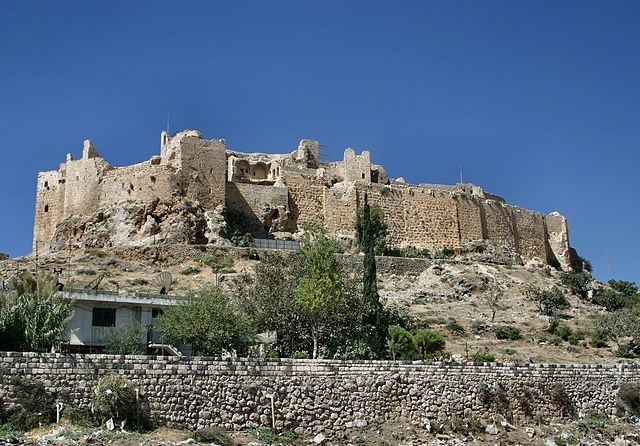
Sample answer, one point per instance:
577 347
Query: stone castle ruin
199 191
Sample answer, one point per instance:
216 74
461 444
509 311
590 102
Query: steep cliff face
131 223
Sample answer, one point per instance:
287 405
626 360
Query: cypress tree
374 317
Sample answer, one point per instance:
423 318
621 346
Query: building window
46 184
156 313
104 317
363 176
46 208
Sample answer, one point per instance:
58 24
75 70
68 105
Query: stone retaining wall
330 396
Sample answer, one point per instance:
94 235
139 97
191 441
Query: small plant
483 356
559 396
525 400
300 355
337 246
455 328
36 405
429 343
508 332
114 397
191 270
629 398
242 240
214 435
86 272
598 339
266 435
411 252
445 253
78 417
479 327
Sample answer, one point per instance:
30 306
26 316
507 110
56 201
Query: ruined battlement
203 184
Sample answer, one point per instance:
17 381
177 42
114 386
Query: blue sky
537 101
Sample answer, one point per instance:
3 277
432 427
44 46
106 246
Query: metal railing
263 243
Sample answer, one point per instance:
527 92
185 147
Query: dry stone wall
329 396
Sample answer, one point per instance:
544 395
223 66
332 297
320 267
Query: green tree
429 343
210 323
401 343
622 326
270 301
128 340
577 282
37 318
549 302
320 291
375 319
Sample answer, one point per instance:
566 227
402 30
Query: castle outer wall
276 195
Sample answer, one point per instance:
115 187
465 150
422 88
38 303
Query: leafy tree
37 318
577 282
320 291
401 343
377 231
550 301
129 340
429 343
270 301
621 326
211 323
621 294
625 288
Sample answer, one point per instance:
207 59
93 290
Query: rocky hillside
472 303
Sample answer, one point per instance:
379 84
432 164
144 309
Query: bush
483 356
445 253
300 355
455 328
213 435
401 343
36 406
129 340
549 302
559 396
577 282
479 326
598 339
115 397
508 332
337 246
612 300
629 398
429 343
191 270
242 240
410 251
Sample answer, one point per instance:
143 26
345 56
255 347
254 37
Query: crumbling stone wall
278 194
257 209
327 396
142 182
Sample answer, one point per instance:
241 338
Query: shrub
78 417
300 355
483 356
401 343
549 302
445 253
266 435
577 282
36 405
508 332
479 326
576 337
629 398
337 246
410 251
429 343
242 240
190 271
455 328
129 340
612 300
115 397
213 435
559 396
598 339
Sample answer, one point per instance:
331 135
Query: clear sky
537 101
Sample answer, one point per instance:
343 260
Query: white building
97 314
